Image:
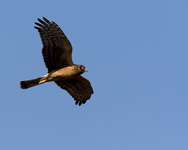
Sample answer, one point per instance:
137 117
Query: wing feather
57 50
78 87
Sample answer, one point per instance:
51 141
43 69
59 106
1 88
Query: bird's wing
78 87
57 50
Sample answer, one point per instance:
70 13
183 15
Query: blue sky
136 53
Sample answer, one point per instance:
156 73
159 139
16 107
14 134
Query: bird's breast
62 74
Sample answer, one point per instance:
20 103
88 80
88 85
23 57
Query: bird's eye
82 68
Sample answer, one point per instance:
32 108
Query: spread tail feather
30 83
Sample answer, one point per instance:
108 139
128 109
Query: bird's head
83 68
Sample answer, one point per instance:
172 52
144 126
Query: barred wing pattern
57 54
57 50
78 87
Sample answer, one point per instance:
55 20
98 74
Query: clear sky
136 52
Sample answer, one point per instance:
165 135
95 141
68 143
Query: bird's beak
86 70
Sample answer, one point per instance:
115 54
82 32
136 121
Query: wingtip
79 103
37 28
38 19
44 18
38 24
76 102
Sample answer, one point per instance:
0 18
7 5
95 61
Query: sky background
136 53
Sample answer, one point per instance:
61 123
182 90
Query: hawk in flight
57 55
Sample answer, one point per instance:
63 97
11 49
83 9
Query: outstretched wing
78 87
57 50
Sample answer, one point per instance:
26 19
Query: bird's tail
33 82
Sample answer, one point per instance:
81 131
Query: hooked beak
86 70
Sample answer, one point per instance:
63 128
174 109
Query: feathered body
57 54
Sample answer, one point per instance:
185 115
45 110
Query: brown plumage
57 55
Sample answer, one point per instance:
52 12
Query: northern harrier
57 55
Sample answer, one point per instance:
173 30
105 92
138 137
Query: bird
57 56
